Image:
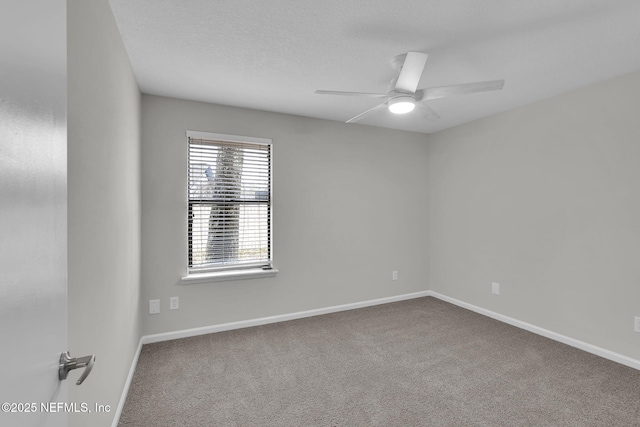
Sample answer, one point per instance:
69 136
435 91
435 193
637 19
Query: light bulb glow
401 105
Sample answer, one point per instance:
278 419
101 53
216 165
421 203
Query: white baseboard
148 339
589 348
127 384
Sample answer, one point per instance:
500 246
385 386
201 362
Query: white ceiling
273 55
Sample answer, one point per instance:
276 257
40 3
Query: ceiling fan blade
427 112
361 115
411 72
337 92
460 89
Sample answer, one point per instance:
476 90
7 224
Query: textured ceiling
273 55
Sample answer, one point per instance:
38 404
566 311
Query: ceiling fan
404 94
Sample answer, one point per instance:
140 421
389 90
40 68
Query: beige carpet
421 362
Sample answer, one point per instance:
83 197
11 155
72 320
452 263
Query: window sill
223 276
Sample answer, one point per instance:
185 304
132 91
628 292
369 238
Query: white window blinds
229 202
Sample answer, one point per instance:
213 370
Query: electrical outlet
154 306
636 324
495 288
394 275
174 303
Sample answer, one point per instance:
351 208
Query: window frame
238 271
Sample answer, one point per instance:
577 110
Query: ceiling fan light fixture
402 104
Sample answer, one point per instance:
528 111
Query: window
229 219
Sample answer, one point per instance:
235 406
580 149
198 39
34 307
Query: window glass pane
229 203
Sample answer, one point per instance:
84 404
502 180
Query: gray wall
104 206
350 206
545 200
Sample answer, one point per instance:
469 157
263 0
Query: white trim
127 384
228 138
148 339
221 276
589 348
